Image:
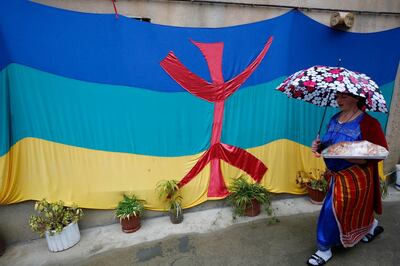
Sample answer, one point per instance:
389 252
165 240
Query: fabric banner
92 106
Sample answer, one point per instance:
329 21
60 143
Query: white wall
206 14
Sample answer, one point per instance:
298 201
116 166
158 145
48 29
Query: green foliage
315 178
320 184
243 192
53 217
169 192
130 206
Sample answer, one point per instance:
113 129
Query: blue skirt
328 234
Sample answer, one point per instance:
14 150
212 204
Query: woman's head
348 101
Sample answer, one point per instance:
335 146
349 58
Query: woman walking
347 215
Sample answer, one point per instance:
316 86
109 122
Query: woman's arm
372 131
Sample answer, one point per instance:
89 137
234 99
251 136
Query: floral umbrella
319 85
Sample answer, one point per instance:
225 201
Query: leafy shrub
130 206
315 178
243 192
53 217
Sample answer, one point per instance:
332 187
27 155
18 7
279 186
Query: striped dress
348 210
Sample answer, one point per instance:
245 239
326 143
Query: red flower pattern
316 83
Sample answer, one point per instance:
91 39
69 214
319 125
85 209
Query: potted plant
247 197
58 223
315 182
169 192
129 211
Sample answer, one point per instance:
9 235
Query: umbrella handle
323 117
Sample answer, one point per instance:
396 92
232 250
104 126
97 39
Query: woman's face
346 102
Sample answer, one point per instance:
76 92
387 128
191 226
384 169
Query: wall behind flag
87 112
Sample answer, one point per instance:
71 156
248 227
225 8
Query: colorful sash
353 203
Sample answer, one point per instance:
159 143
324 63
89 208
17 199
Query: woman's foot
320 257
374 232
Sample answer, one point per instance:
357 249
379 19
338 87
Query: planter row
70 235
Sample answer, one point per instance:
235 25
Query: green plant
315 178
320 184
242 193
53 217
169 192
129 206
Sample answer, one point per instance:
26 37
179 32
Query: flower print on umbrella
322 81
353 80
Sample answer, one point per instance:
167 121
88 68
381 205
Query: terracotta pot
316 196
253 209
131 224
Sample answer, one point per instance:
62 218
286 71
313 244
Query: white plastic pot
68 237
397 185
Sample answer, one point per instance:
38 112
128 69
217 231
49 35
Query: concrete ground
212 237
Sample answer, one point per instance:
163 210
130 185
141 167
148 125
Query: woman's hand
315 147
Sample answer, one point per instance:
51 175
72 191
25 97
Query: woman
347 215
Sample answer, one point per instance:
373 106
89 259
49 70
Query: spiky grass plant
130 206
242 192
169 192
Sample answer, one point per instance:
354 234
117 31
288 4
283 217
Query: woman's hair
361 103
361 100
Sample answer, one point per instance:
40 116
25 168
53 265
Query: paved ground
211 237
288 242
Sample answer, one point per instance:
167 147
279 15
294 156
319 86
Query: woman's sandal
370 237
320 261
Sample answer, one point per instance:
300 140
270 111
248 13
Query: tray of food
355 150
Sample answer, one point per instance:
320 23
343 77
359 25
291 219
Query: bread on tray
355 149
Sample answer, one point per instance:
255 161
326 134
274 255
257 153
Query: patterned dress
328 230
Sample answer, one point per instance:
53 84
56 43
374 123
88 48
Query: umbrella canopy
319 85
